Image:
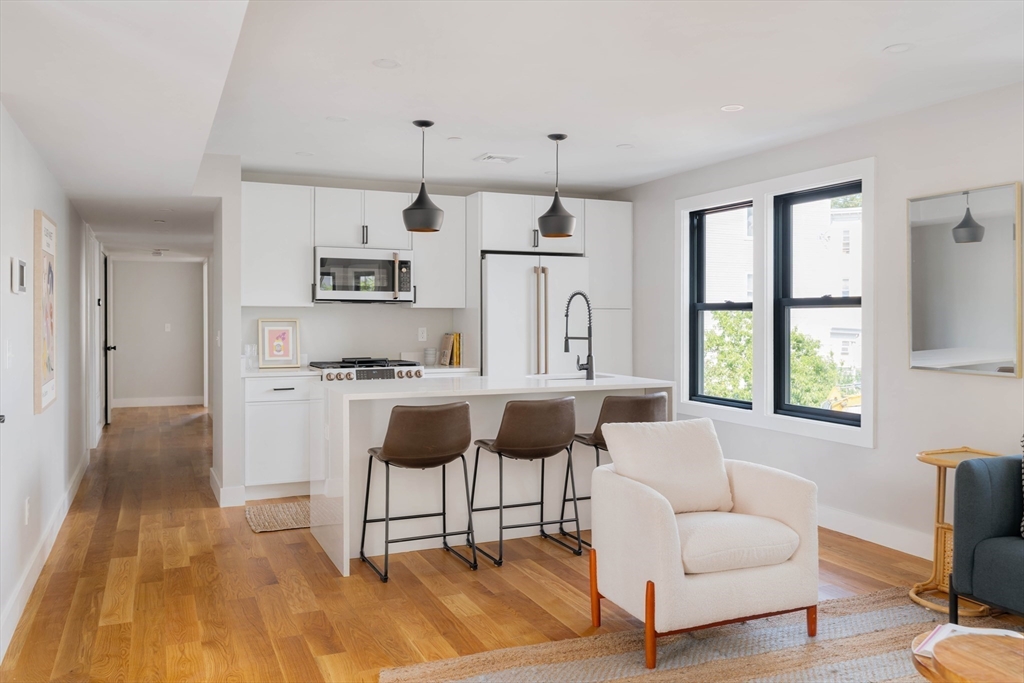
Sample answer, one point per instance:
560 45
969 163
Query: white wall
154 365
333 331
42 457
221 176
882 494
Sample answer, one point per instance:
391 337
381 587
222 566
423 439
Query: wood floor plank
150 580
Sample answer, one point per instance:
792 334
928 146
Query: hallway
150 581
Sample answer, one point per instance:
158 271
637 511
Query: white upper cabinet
439 270
609 243
338 217
561 245
277 245
382 216
507 222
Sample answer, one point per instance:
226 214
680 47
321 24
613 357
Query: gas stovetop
368 368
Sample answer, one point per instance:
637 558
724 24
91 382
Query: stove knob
401 374
330 376
348 375
339 376
419 373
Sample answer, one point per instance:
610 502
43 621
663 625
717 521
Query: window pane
825 358
827 247
728 255
728 354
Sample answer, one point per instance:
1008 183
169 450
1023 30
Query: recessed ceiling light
625 145
159 220
454 138
303 154
733 107
898 48
386 64
337 119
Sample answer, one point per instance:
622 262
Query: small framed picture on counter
279 343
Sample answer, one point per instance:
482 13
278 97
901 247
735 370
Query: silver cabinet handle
536 238
284 388
547 341
366 234
536 271
394 255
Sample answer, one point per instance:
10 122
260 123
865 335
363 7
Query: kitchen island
358 414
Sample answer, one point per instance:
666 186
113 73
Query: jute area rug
278 516
863 638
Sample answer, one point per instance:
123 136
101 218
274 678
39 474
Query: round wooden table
973 659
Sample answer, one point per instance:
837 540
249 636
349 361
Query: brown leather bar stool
530 430
648 408
421 437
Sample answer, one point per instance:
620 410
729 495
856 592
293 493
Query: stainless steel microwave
363 275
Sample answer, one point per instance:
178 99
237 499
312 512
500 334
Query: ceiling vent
496 158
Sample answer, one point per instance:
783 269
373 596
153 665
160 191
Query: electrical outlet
422 335
28 504
167 327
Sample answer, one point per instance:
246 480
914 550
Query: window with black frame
722 306
817 311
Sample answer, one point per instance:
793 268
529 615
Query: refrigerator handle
536 272
547 341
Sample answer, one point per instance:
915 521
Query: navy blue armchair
988 549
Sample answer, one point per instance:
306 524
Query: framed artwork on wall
278 343
44 293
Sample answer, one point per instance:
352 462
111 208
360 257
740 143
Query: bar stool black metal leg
578 550
575 508
444 507
566 499
472 496
366 509
543 532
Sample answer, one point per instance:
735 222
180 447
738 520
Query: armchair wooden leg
812 621
595 597
650 635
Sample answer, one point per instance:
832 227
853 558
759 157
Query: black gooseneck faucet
589 365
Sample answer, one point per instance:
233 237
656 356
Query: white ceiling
502 75
119 98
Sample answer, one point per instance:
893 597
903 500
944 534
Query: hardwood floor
150 581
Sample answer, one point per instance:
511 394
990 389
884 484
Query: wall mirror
965 281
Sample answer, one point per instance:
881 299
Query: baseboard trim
14 608
157 402
227 497
264 491
900 538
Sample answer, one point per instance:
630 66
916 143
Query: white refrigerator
523 318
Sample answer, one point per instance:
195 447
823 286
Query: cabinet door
510 315
338 217
561 245
277 441
382 215
277 245
507 222
609 242
439 268
613 341
565 275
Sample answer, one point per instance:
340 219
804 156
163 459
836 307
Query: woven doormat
278 517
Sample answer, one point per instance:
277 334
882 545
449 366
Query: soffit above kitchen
638 86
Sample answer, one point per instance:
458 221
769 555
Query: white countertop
482 386
282 372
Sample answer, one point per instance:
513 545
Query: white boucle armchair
642 546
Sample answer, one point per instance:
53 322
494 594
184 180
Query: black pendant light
423 215
968 230
556 221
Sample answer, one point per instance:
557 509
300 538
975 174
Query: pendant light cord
556 165
423 156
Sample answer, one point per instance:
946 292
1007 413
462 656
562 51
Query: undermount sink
570 376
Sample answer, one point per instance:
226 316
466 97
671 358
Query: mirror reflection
965 281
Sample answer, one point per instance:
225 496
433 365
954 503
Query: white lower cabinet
284 423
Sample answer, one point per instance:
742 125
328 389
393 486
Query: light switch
167 327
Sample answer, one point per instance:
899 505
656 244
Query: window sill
862 436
